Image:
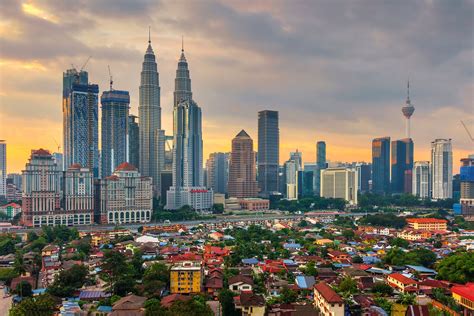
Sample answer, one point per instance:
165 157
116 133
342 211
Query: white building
291 169
441 169
339 183
3 168
126 196
421 179
198 198
78 195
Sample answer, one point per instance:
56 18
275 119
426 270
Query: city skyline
345 112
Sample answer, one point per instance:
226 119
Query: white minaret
408 110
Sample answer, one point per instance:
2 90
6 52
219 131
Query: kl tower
408 110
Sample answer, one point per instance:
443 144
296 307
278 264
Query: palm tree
406 299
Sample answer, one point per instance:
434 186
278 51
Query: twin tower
187 172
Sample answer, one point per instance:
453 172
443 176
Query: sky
335 70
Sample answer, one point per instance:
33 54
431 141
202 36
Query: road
229 219
5 303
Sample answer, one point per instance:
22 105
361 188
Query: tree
41 305
193 307
24 289
382 289
226 298
155 278
67 281
303 223
399 242
347 286
114 267
348 234
7 245
406 299
153 308
311 269
218 208
457 267
288 296
357 259
384 303
19 263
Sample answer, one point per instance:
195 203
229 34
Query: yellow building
328 302
463 295
429 224
186 277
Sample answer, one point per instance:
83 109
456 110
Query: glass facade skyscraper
402 161
80 121
268 152
115 107
381 165
442 169
133 141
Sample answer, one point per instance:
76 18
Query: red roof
12 204
403 279
167 301
466 291
125 166
426 220
75 166
328 293
41 152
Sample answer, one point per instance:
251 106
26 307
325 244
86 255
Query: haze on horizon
336 71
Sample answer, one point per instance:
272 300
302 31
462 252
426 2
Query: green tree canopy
457 267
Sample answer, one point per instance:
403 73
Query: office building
381 165
441 169
242 172
149 111
315 170
321 154
268 152
188 177
402 161
339 183
41 194
3 168
292 181
467 188
297 157
421 179
364 176
77 201
186 277
15 178
307 182
125 197
133 141
217 169
80 121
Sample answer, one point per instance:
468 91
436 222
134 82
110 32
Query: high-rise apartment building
312 168
321 154
364 176
242 173
133 141
188 177
3 168
381 165
125 197
292 179
80 121
402 161
41 194
115 107
467 187
441 169
151 145
186 277
268 152
339 183
77 201
217 169
421 179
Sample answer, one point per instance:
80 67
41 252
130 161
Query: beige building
242 171
339 183
428 224
125 196
327 301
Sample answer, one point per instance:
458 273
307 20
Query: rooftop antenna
87 60
182 43
111 81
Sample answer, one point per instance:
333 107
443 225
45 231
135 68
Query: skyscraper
381 165
59 158
80 121
321 154
339 183
292 181
242 173
408 111
441 169
187 170
3 168
217 168
133 141
149 110
364 176
115 106
402 161
421 179
41 193
268 152
467 187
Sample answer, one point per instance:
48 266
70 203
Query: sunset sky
335 70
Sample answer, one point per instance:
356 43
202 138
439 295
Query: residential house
402 283
250 304
131 305
327 301
240 283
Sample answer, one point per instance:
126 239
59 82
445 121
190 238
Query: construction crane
57 144
110 77
87 60
467 131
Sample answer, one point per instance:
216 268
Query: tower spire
149 34
182 43
408 89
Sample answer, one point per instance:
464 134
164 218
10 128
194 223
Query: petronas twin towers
187 170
